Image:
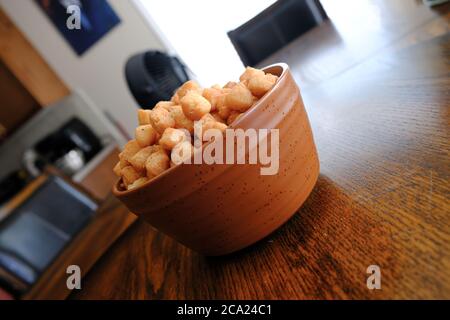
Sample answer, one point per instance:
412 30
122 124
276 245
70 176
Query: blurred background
70 98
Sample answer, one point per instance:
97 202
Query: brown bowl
217 209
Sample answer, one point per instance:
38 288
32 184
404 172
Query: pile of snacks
164 136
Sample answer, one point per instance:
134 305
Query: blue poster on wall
81 22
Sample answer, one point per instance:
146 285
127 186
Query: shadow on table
296 231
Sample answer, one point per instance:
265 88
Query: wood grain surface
381 125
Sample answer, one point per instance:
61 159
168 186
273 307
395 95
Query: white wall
99 72
197 30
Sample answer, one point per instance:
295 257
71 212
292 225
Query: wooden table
381 123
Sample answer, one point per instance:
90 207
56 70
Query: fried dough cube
214 125
212 95
129 175
230 85
143 117
239 99
250 73
190 85
164 104
122 161
130 149
171 137
207 117
261 84
181 121
145 135
195 106
208 122
157 148
139 159
161 119
181 152
136 184
222 109
157 163
175 98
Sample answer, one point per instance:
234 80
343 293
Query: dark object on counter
154 76
274 28
68 149
38 229
72 135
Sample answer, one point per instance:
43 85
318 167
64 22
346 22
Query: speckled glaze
219 209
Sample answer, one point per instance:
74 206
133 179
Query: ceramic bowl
218 209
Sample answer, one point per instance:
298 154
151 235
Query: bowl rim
284 70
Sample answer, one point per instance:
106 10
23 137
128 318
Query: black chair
154 76
274 28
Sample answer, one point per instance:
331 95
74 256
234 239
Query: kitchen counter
78 235
380 117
